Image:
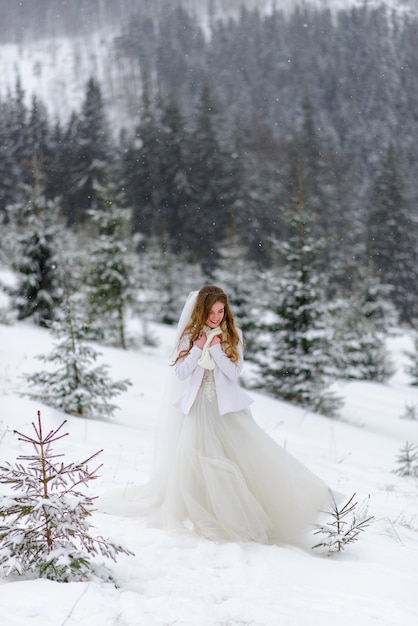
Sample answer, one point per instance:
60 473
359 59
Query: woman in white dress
218 473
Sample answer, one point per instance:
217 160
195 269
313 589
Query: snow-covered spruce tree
392 233
166 278
205 215
7 278
407 461
176 279
6 163
294 358
143 158
44 518
314 171
18 146
360 324
413 368
111 278
241 280
76 386
293 355
39 239
90 155
346 524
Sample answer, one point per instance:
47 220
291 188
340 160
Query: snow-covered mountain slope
187 581
57 69
397 6
56 66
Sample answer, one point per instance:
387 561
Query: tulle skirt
224 478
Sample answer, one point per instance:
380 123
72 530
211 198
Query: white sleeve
185 367
230 368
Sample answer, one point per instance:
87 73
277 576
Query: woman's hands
201 340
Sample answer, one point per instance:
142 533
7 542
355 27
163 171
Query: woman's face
216 315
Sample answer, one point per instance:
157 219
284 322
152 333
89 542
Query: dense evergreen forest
236 130
273 153
308 105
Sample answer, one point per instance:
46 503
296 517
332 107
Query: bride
218 473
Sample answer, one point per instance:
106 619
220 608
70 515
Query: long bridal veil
170 419
134 499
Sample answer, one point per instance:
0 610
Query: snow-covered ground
184 580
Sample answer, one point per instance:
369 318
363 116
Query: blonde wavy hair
206 298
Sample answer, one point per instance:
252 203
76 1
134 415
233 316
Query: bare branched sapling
344 528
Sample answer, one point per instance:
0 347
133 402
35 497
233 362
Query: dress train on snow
225 479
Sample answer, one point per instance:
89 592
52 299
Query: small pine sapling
77 386
344 528
44 527
410 412
407 461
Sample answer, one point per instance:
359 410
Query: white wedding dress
224 478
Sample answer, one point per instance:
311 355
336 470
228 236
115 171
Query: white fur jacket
230 396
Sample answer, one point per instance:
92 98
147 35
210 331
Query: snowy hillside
183 580
56 66
57 70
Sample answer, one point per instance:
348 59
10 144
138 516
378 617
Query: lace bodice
208 376
208 383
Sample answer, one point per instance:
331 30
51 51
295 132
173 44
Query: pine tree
166 279
38 130
57 170
64 170
407 461
412 369
360 324
8 175
44 521
345 528
206 214
92 151
241 280
175 176
180 51
111 277
294 350
38 294
142 168
256 178
294 357
177 278
393 235
20 141
410 412
319 184
76 386
16 150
